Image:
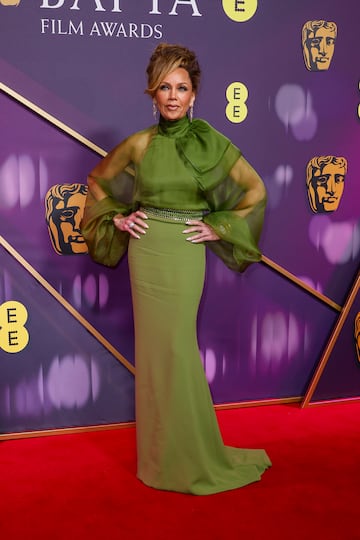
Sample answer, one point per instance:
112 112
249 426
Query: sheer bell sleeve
114 181
237 213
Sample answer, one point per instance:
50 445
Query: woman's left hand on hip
203 232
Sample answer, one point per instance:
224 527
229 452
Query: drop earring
154 110
191 112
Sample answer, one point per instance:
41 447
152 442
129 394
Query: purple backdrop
86 67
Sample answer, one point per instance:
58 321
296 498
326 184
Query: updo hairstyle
165 59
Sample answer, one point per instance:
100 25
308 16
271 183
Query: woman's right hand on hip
133 224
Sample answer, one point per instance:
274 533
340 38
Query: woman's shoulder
135 144
143 134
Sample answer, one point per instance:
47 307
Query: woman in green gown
191 188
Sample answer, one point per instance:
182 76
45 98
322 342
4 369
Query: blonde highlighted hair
165 59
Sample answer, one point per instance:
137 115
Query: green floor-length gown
179 445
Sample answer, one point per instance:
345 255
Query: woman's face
175 95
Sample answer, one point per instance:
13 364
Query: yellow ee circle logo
10 2
240 10
13 335
236 109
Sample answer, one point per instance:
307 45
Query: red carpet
83 485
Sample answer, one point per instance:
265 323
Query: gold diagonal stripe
40 112
56 122
332 340
300 283
67 305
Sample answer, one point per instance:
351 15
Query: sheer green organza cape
209 157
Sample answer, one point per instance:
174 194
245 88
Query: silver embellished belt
169 214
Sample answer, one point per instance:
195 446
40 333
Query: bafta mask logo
357 335
10 2
64 210
318 42
325 176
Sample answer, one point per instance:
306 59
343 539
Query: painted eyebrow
177 84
